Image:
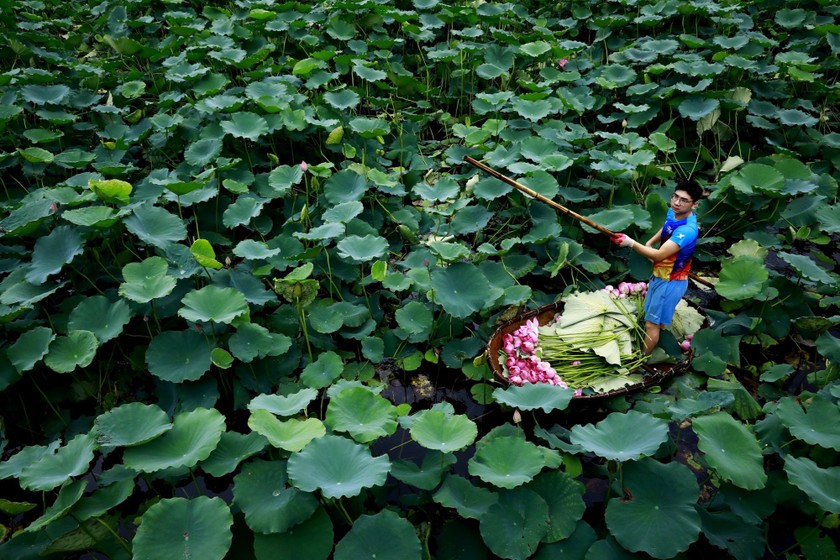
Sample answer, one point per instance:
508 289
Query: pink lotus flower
304 166
562 62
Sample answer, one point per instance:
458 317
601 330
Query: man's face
681 202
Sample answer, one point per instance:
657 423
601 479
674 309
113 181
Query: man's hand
623 240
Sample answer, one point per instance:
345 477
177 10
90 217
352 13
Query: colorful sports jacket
683 233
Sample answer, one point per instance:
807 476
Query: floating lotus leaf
212 303
731 449
649 520
53 251
269 505
742 278
564 497
362 249
817 424
507 461
97 314
178 356
620 436
822 486
181 528
281 405
290 435
415 318
362 414
29 348
69 495
255 341
534 395
428 474
514 526
103 499
315 468
233 448
323 371
194 435
67 353
364 540
731 533
434 429
310 540
155 226
146 280
462 289
55 468
130 424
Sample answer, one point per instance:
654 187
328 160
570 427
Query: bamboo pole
559 207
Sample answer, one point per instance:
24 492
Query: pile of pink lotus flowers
523 364
627 289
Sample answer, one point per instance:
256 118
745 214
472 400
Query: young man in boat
671 259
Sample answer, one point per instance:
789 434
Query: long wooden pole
559 207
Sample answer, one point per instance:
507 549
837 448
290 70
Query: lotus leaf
36 155
268 504
53 251
155 226
564 497
507 461
103 499
364 540
281 405
362 414
818 424
471 502
240 213
55 468
92 216
245 125
829 347
731 449
67 353
535 395
97 314
130 424
742 278
212 303
45 95
26 457
314 468
29 348
729 532
620 436
255 341
68 496
697 107
323 371
447 282
233 448
514 526
362 249
822 486
203 252
428 474
178 356
759 177
434 429
182 528
647 519
290 435
194 435
807 268
310 540
146 280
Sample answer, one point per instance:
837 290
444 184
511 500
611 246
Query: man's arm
669 248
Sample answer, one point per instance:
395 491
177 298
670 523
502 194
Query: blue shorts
662 299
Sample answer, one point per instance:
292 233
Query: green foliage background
230 230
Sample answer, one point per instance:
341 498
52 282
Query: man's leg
651 336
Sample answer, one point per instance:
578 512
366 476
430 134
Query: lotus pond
247 278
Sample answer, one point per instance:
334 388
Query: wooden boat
651 374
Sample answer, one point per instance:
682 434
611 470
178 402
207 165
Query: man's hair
690 186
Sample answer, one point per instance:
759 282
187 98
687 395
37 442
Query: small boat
655 374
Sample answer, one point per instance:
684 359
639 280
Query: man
671 260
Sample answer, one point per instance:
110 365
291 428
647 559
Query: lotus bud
517 417
685 345
516 380
562 62
304 166
510 362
